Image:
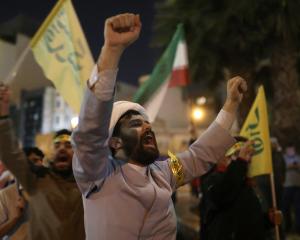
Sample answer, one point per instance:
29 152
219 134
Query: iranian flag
170 71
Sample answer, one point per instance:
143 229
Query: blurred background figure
5 176
55 203
264 184
291 196
34 155
13 214
230 208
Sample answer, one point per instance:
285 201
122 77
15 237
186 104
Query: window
57 119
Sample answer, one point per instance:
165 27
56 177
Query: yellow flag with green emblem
256 128
60 48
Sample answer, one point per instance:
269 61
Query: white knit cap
122 107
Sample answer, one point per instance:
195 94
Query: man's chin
149 155
150 148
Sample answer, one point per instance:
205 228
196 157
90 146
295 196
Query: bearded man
126 193
55 206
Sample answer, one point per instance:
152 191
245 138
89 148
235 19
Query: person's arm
10 154
7 226
4 178
212 145
90 139
3 211
11 223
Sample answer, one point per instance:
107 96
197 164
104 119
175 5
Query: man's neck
138 167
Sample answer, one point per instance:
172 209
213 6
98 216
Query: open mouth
61 160
149 140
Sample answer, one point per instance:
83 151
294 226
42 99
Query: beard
64 170
65 173
136 150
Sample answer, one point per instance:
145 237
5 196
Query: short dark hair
62 132
35 150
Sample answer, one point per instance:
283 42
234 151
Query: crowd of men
104 182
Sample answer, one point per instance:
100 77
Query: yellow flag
256 128
60 48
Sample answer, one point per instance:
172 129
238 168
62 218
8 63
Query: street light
197 114
201 101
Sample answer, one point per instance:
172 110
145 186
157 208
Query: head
290 149
34 155
63 152
132 138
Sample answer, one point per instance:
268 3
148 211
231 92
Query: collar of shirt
142 170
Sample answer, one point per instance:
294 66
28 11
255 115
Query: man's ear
115 143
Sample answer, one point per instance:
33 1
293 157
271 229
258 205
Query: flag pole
13 72
277 237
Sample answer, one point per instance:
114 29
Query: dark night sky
137 60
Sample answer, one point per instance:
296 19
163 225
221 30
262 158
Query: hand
122 30
236 87
119 32
246 151
275 216
20 206
4 100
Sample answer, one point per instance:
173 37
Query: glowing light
201 100
197 114
74 122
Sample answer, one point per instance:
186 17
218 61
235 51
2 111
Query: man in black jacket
230 208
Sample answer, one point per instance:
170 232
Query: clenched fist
236 87
122 30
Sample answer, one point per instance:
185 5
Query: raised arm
212 145
10 153
90 140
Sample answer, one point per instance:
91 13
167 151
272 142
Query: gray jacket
120 202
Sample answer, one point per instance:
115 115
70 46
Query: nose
147 126
61 146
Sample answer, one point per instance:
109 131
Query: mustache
148 133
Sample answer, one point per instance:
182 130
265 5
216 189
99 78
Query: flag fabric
170 71
60 48
256 128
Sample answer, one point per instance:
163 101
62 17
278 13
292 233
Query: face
35 159
139 142
290 151
63 154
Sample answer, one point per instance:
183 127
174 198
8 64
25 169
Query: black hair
35 150
117 128
62 132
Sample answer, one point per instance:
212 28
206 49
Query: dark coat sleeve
223 188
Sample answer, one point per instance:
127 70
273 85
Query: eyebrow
132 121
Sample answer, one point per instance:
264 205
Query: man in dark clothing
264 183
34 155
230 208
55 205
